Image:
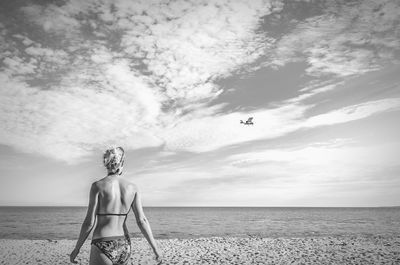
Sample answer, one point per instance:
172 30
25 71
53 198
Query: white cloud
314 155
68 123
18 66
54 18
210 133
312 90
188 47
50 55
354 112
347 40
184 44
318 163
284 175
25 40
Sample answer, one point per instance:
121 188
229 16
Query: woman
111 199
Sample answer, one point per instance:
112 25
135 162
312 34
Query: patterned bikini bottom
116 248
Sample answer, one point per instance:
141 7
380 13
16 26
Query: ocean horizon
218 206
63 222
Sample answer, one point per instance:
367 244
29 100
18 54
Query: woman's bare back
115 198
110 200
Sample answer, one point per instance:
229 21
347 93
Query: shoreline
239 236
350 249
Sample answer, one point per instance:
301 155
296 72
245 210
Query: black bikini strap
118 214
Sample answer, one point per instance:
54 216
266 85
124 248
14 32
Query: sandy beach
221 250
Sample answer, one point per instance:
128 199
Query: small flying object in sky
248 122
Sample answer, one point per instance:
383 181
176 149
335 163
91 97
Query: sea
193 222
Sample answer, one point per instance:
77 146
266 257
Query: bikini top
117 214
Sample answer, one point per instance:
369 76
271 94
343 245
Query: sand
217 250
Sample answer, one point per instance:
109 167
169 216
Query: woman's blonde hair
113 160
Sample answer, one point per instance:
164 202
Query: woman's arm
88 223
126 232
143 224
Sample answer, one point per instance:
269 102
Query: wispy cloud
312 90
348 39
354 112
284 175
343 160
210 133
184 46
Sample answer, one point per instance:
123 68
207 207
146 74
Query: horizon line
218 206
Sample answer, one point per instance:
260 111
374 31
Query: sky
169 81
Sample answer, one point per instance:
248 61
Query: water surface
188 222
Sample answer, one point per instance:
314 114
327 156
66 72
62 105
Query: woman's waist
110 238
108 231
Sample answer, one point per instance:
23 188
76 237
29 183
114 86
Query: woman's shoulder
128 184
102 183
